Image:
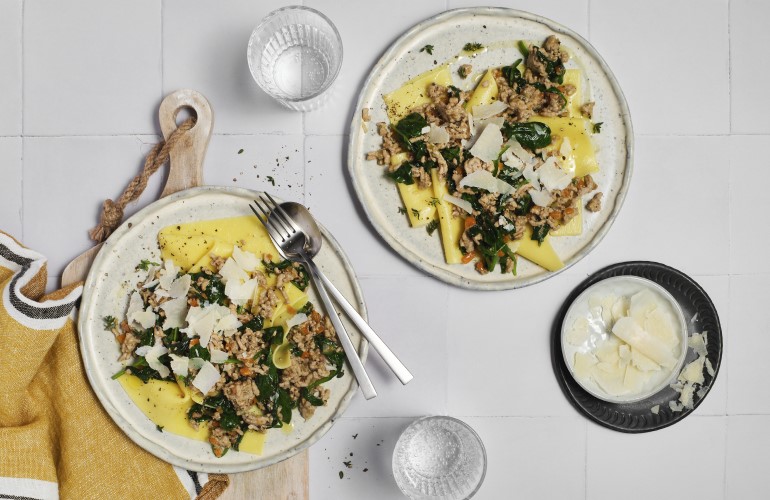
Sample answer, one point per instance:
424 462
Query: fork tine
270 225
278 220
284 216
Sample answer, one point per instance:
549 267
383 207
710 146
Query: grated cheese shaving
459 202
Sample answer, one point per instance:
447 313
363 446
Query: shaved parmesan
180 364
497 120
513 161
228 324
532 176
540 198
675 406
488 110
655 409
566 148
146 318
168 274
245 260
579 332
438 135
425 129
240 293
135 305
180 287
175 310
207 377
489 143
552 176
295 320
518 150
710 368
630 332
483 179
196 363
152 357
218 356
459 202
231 271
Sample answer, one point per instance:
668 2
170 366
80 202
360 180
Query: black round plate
700 315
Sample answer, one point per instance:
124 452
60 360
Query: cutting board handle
186 162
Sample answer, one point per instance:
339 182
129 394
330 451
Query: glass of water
294 56
439 458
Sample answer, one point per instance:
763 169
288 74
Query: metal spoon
314 239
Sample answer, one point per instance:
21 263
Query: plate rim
564 377
431 269
115 414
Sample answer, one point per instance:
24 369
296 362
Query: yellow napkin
56 440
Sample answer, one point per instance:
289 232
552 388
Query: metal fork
291 240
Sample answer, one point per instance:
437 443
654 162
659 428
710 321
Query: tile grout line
21 135
585 464
162 61
588 20
724 471
729 70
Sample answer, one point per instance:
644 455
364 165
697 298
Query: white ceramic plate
106 292
496 29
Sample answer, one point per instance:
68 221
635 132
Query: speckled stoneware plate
106 292
700 315
497 29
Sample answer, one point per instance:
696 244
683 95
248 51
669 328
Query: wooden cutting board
285 480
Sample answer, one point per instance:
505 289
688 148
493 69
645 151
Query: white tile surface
749 316
91 67
749 37
204 47
673 69
673 177
747 196
332 200
748 453
499 351
572 14
264 157
417 338
363 44
683 461
10 187
66 180
10 62
533 457
372 449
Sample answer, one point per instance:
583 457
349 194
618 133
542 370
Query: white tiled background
80 82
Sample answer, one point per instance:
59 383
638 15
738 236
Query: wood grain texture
287 479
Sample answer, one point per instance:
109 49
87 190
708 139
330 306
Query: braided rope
112 211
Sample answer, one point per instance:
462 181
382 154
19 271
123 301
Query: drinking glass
439 458
294 56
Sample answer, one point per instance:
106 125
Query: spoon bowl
306 222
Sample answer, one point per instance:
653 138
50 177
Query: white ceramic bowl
620 285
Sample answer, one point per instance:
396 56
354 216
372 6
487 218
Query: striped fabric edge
192 481
25 264
22 488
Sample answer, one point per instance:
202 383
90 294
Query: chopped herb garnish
145 265
598 127
540 232
342 474
431 227
348 464
523 49
110 322
472 47
159 428
433 202
428 48
416 213
271 180
401 210
453 91
240 151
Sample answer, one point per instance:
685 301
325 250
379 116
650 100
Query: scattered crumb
655 409
365 116
240 151
342 474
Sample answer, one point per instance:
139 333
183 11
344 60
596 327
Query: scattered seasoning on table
351 453
240 151
366 469
271 180
342 474
355 436
348 464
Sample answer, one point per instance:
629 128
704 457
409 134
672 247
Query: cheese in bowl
624 339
